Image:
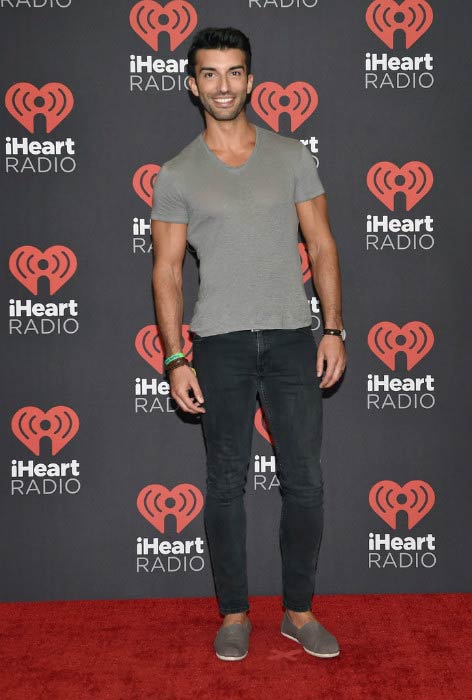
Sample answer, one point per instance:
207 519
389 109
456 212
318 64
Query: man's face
222 83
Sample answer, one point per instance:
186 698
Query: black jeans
280 365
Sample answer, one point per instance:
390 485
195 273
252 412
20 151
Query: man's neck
231 135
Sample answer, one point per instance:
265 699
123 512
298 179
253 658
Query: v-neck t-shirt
242 223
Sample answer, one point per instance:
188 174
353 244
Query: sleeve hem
166 219
312 196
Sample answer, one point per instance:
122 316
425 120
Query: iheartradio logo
386 339
178 19
414 179
24 101
29 424
28 263
148 345
269 100
387 498
184 502
143 181
412 17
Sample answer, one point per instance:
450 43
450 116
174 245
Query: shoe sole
231 658
313 653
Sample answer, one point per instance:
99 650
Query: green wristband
172 357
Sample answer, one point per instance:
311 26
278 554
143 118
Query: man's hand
330 348
182 380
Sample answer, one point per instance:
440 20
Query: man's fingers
319 363
326 381
333 374
180 402
188 403
197 391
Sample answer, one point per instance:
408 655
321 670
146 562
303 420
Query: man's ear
250 81
192 83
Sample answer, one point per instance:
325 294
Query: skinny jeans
232 369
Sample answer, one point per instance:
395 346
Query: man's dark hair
218 38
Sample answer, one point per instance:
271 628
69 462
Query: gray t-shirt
243 225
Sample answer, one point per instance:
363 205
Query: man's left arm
324 261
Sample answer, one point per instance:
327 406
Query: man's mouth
223 100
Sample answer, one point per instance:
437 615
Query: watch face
343 334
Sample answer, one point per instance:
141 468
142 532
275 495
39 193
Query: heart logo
412 17
184 502
24 101
143 182
29 424
304 262
386 339
270 100
414 179
416 498
178 19
262 426
57 263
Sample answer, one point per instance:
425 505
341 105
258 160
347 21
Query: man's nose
224 83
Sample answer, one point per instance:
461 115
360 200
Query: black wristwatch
335 331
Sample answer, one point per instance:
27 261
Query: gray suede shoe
314 638
232 641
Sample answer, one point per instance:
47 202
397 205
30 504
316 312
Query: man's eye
237 72
207 75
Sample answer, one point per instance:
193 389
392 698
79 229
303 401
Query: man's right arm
169 243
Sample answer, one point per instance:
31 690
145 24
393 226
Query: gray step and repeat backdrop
103 480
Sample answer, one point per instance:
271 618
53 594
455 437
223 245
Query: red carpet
393 647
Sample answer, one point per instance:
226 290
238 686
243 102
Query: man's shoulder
287 145
180 161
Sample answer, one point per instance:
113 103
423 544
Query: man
236 193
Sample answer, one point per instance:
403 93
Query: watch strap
335 331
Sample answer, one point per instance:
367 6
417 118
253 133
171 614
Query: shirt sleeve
167 201
307 181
